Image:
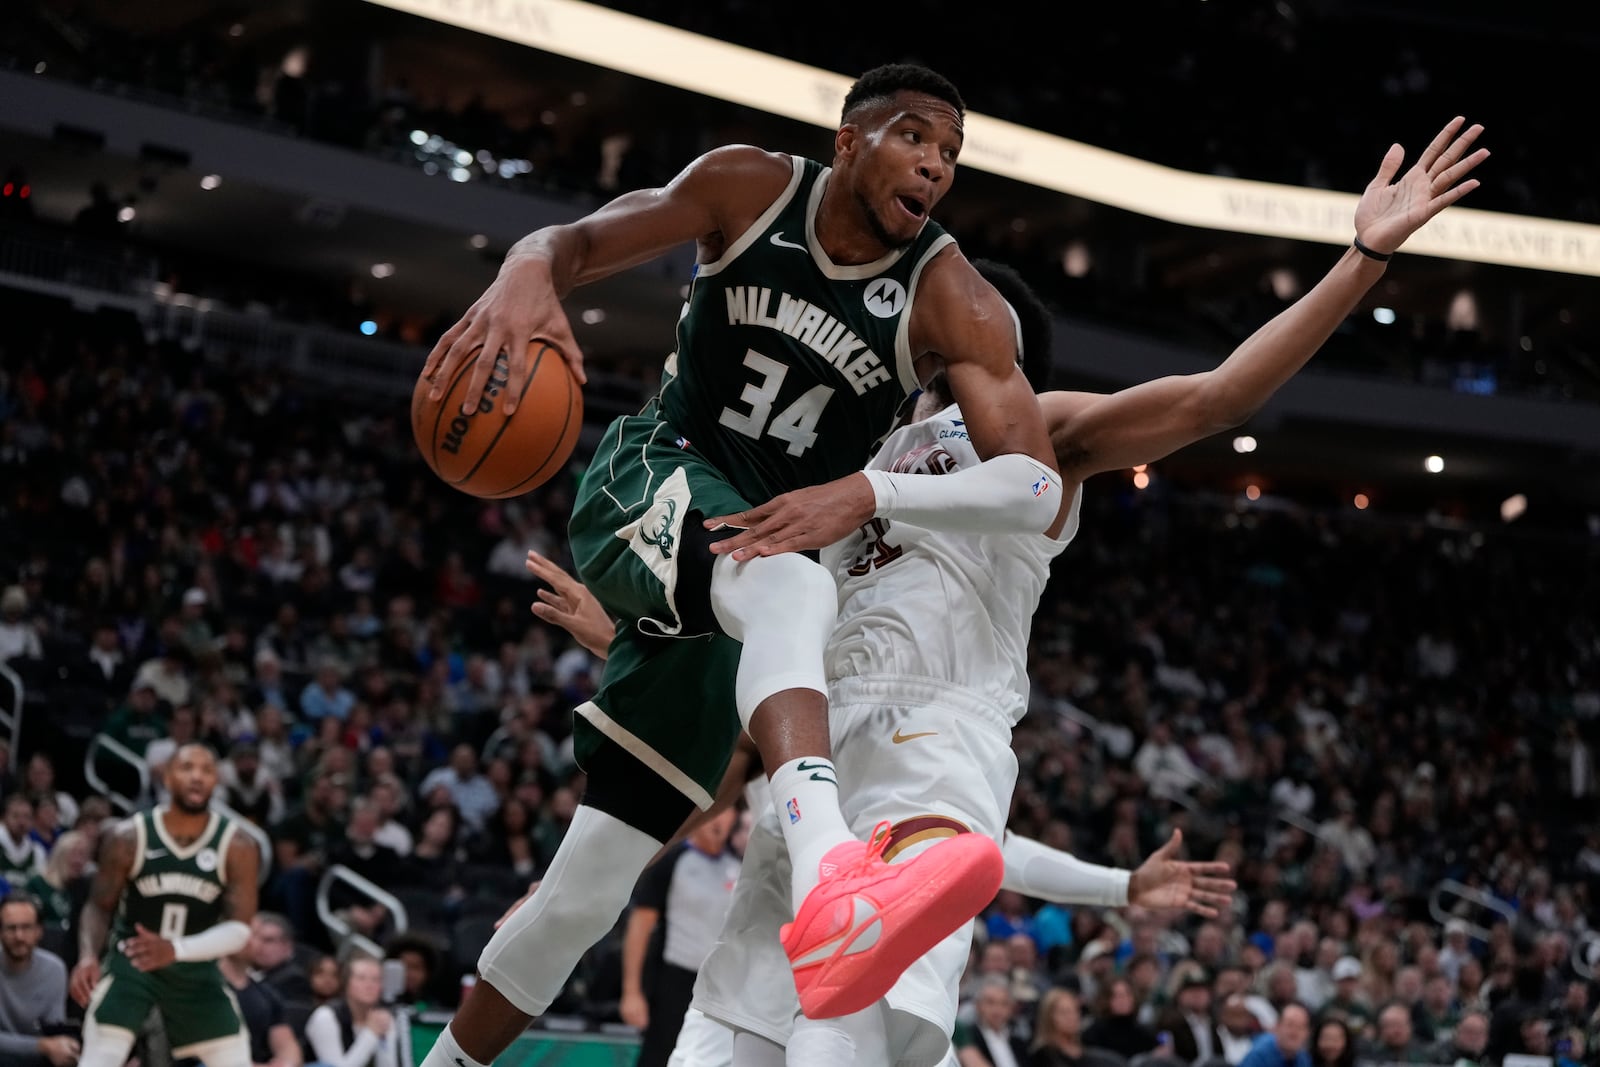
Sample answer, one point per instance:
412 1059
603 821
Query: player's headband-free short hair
880 83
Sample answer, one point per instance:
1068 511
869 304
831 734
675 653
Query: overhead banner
740 75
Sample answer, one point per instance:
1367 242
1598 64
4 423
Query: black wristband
1381 257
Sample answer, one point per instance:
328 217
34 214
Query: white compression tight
578 901
111 1046
783 608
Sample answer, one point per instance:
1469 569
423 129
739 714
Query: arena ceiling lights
743 76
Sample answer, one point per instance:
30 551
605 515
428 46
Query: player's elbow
1214 405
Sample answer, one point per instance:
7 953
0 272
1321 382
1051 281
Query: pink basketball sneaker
867 921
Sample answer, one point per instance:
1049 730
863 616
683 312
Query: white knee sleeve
224 1052
783 608
578 901
104 1046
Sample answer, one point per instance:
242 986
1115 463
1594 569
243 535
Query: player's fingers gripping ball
488 453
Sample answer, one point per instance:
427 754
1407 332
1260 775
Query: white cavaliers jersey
956 607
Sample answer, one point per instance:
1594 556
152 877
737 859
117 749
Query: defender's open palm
569 604
1164 882
519 306
1391 211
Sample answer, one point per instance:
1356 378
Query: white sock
446 1052
806 793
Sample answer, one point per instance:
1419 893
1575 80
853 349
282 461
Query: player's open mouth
913 207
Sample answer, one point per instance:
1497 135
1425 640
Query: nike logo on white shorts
778 240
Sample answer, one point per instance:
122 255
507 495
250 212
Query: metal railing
91 773
1449 887
1585 953
11 716
343 932
60 266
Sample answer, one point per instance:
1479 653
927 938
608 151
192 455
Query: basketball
488 453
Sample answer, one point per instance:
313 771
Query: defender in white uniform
927 664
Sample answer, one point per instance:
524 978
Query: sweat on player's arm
961 326
719 193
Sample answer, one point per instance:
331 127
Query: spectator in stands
33 991
140 720
388 795
1188 1019
269 689
168 672
40 781
327 697
992 1041
436 857
1435 1015
194 629
1333 1046
183 727
1058 1033
1116 1023
1394 1042
1526 1001
19 638
365 857
1238 1028
62 887
509 842
1286 1045
21 857
1008 915
272 741
247 788
1466 1044
272 962
326 978
1164 764
107 663
352 1030
420 958
272 1041
1347 1003
468 790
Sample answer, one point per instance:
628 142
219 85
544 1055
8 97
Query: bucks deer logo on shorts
653 537
661 534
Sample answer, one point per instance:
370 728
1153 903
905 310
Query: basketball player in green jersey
175 891
823 296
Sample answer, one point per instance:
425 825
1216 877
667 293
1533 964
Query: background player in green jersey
822 296
174 892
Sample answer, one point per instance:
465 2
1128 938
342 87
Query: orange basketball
487 453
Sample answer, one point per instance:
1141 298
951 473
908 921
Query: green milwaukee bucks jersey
789 367
175 891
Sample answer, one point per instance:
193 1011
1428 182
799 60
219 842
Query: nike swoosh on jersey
900 738
778 240
154 853
864 913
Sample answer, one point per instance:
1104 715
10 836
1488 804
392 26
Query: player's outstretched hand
147 951
1390 211
85 976
569 604
1164 882
800 521
520 305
